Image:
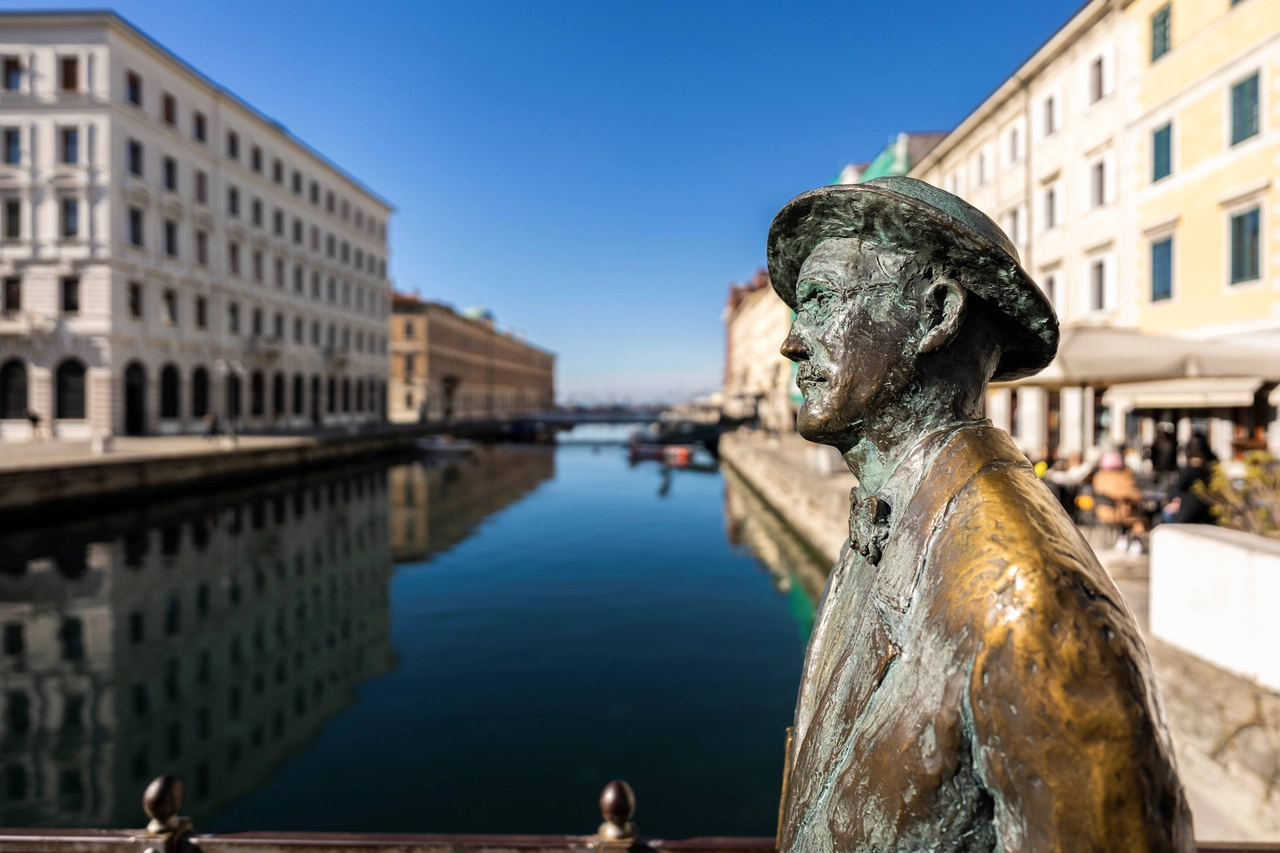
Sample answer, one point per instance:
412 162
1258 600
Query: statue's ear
942 312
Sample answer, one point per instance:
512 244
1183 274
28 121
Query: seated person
1186 507
1120 501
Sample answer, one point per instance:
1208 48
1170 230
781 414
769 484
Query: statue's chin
820 429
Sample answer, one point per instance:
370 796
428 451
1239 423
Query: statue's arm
1063 736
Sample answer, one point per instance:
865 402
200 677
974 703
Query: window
1097 285
70 287
202 313
233 201
297 231
12 146
297 279
171 309
297 330
233 318
277 222
171 238
1162 269
1245 247
70 217
1098 184
1012 224
297 182
133 88
1244 110
330 246
1162 153
346 252
169 109
328 201
135 300
1051 208
233 258
279 272
13 639
257 265
277 171
135 157
70 145
408 364
69 74
1015 145
255 214
12 73
1097 81
69 391
315 193
136 223
202 187
1051 287
1160 33
408 329
982 168
170 174
233 145
202 248
199 130
315 239
257 321
255 159
12 295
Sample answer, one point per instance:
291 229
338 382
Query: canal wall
1226 729
154 468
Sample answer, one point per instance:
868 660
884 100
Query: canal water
475 647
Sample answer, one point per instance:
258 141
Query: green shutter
1160 33
1245 258
1162 153
1162 269
1244 109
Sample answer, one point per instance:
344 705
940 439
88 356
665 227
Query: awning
1202 392
1101 356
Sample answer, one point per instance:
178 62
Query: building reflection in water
434 507
797 571
210 637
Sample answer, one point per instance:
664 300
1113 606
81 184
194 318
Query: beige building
759 382
447 366
1063 156
167 251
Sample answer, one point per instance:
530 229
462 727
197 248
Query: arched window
13 389
299 405
257 393
69 390
277 395
346 394
169 392
199 392
333 395
315 398
359 395
135 399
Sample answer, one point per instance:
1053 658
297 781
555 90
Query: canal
475 647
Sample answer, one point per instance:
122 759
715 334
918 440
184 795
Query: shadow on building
434 507
211 637
797 571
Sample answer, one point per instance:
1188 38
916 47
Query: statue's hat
912 216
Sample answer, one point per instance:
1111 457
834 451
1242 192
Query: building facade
167 251
759 381
448 366
1113 138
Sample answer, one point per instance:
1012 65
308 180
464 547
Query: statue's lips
805 377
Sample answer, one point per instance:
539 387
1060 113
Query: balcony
268 345
25 324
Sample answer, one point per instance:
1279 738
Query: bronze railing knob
161 801
617 806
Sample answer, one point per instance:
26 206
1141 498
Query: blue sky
596 173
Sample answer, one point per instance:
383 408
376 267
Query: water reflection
797 571
434 507
209 637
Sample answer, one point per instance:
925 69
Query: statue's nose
794 347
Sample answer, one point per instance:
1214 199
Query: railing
168 832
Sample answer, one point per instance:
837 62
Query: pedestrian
1186 506
210 426
33 418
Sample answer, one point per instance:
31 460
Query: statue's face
853 338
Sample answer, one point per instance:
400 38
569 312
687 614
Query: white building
166 250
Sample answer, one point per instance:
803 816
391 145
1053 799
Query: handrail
169 833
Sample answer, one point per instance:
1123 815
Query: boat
445 447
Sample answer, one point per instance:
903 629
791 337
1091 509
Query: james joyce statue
974 681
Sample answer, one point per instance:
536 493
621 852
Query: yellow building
758 380
1121 158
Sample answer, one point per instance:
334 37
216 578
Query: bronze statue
974 680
